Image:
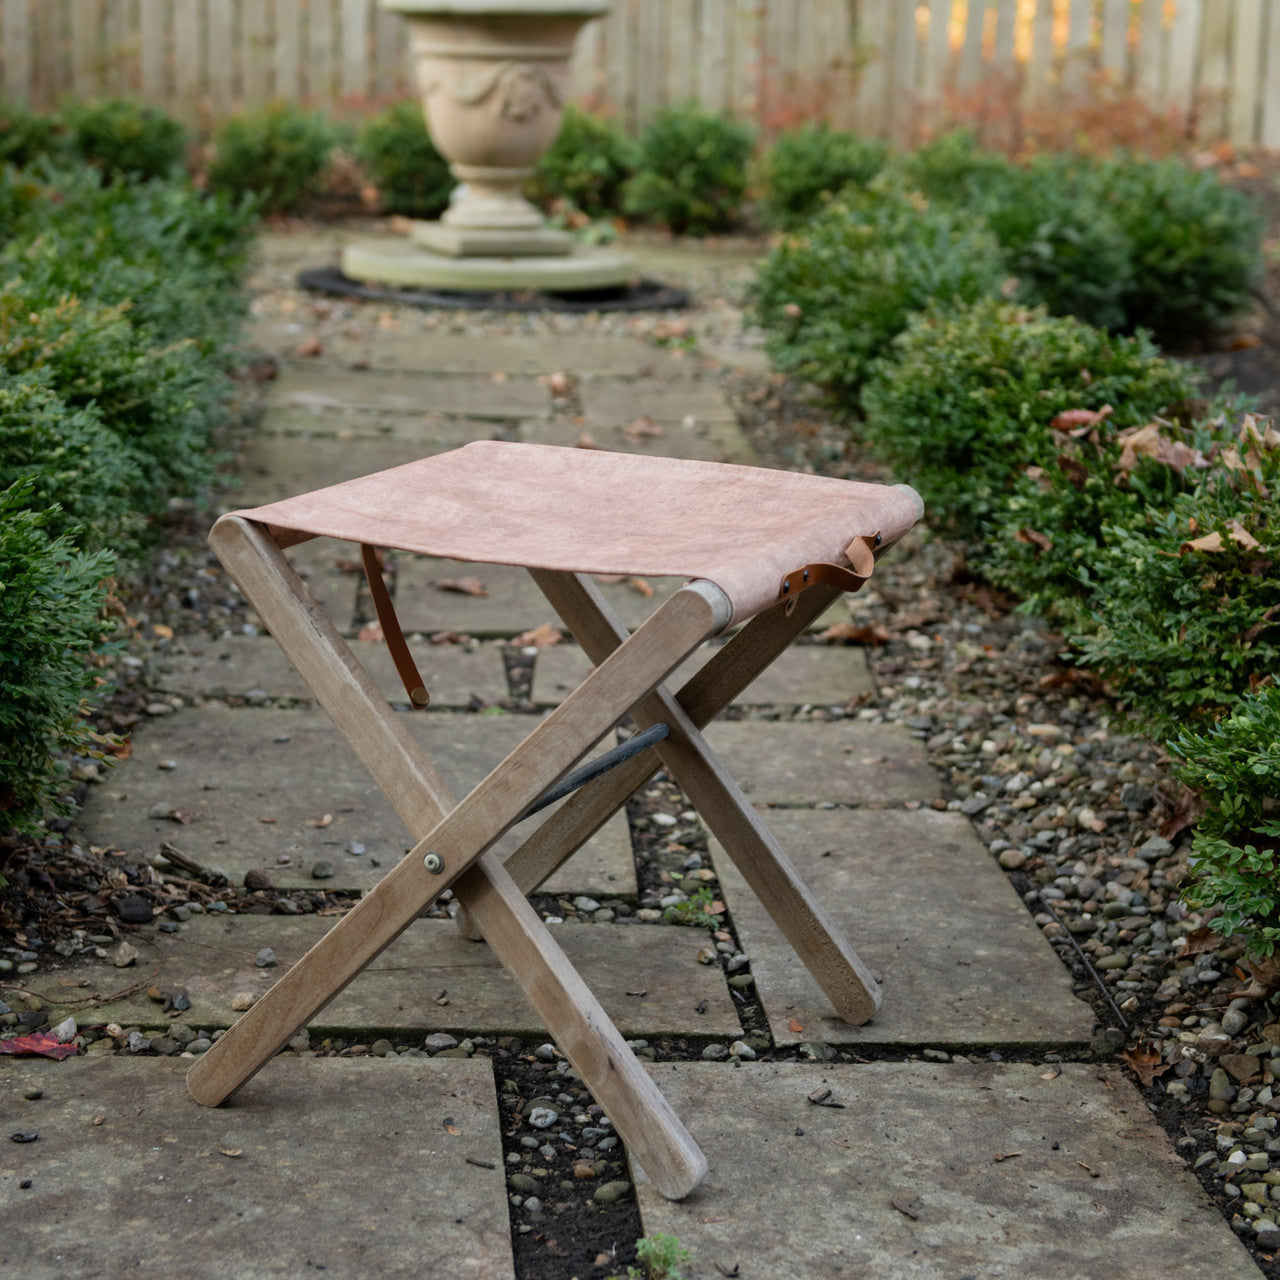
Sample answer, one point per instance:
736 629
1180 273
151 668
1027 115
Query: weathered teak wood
459 834
814 936
707 692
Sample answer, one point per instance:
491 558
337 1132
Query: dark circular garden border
644 295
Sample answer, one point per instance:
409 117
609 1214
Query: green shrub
807 166
1194 244
50 622
691 170
161 402
1187 602
27 136
1060 241
125 138
968 401
176 255
277 152
412 177
76 470
832 299
587 165
956 170
1235 858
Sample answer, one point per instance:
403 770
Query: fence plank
714 67
937 54
1184 41
15 33
1269 134
1246 43
219 44
1215 74
355 48
1040 62
970 69
1114 48
871 43
1006 30
286 58
745 70
582 66
1147 55
391 53
255 53
151 21
1077 54
320 52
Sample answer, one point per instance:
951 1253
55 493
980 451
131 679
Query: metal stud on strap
861 556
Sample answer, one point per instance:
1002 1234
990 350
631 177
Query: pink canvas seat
765 548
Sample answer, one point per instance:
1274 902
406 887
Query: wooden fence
887 66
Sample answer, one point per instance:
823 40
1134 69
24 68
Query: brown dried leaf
462 586
586 441
1147 442
1034 539
1210 542
794 1026
1080 420
1240 535
643 428
1006 1155
233 1153
849 633
1261 625
1146 1063
540 637
640 586
311 346
326 821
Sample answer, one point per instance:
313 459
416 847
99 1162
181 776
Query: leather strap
391 633
861 556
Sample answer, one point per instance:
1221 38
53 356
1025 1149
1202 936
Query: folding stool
768 549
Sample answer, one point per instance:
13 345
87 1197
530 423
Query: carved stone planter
493 76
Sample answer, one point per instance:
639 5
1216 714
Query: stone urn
493 76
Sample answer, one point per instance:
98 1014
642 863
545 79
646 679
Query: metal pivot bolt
433 863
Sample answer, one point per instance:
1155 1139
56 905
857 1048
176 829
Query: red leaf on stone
41 1044
1146 1063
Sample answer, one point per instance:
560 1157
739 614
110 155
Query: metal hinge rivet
433 863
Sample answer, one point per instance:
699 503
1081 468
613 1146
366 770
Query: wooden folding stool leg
643 1118
706 693
814 936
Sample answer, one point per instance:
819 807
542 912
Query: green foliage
956 170
695 910
50 622
412 177
277 152
1187 600
832 299
968 401
74 467
1235 859
1194 244
807 166
27 136
125 138
1061 242
691 170
660 1256
587 165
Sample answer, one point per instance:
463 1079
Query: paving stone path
947 1167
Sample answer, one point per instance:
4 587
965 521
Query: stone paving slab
839 762
669 402
279 466
422 351
811 674
514 603
237 665
906 1182
647 977
293 767
959 960
709 441
331 569
424 432
322 387
340 1167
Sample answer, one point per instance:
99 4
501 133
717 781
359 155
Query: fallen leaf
1211 542
99 1120
849 633
163 632
1071 420
559 384
818 1096
462 586
1200 941
1007 1155
453 1130
585 441
1147 442
40 1044
794 1027
1147 1064
326 821
906 1207
233 1153
370 631
640 586
1261 625
643 428
308 347
540 637
1034 539
1051 1074
1240 535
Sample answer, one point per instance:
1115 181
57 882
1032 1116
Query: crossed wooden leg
452 850
815 937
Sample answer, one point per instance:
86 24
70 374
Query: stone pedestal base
473 242
401 262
